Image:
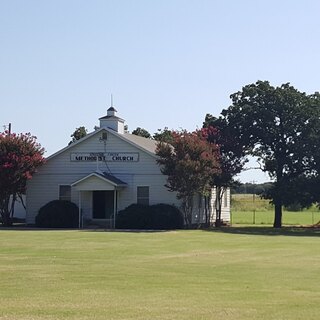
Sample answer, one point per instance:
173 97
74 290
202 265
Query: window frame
143 199
63 196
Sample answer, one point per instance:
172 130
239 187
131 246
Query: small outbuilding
105 172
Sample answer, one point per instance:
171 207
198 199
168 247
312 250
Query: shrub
136 216
166 217
58 214
155 217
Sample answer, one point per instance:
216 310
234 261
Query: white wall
59 170
19 210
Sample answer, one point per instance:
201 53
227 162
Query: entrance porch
98 197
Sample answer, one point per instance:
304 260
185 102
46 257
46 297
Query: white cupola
111 121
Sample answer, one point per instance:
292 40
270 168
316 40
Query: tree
164 135
78 134
141 132
190 162
20 156
252 188
275 124
232 158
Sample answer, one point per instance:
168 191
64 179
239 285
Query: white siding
199 208
19 210
62 164
93 183
59 170
225 209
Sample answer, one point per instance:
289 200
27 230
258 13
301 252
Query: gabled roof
74 143
112 179
103 176
147 145
112 117
144 143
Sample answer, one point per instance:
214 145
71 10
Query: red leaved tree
232 158
190 162
20 155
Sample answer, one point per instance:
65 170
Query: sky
167 63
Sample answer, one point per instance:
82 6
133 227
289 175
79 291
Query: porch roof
99 181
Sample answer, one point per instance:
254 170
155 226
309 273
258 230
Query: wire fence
251 209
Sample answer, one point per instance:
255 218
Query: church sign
105 156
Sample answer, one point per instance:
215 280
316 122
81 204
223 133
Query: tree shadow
245 230
23 227
124 230
269 231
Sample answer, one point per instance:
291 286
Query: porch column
114 207
80 209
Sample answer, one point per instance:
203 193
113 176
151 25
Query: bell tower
112 121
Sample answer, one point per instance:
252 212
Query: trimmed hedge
58 214
155 217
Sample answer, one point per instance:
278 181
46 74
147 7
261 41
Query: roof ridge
125 136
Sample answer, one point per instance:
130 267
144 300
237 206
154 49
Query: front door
103 204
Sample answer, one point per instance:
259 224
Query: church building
102 173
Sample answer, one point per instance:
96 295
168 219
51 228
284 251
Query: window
143 195
65 192
104 136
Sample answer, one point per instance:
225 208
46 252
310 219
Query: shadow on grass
23 227
124 230
245 230
269 231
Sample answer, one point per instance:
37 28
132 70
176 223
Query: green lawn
267 217
249 209
233 273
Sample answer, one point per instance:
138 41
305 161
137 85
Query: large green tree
275 124
20 155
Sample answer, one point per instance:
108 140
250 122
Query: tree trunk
5 211
218 221
277 215
206 210
6 219
187 208
280 186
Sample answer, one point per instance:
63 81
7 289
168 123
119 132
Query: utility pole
9 128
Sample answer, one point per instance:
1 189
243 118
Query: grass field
248 209
232 273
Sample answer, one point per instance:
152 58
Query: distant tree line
252 188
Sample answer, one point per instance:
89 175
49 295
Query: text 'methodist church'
103 173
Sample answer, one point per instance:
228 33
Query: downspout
115 206
80 209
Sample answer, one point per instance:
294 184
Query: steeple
111 111
112 121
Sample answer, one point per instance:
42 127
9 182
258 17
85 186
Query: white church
103 173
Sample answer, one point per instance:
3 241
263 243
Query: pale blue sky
166 62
